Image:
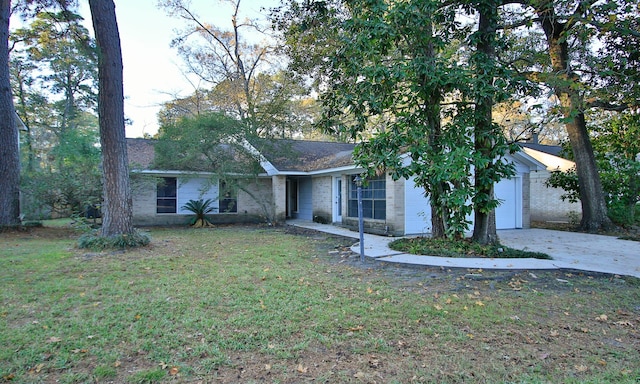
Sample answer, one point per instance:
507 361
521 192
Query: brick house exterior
546 202
307 180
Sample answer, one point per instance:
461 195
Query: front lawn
254 305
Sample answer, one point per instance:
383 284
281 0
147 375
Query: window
228 200
167 195
374 199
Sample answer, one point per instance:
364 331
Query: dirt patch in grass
39 233
344 322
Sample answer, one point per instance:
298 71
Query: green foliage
212 142
460 248
568 181
616 145
200 208
94 241
72 179
54 77
389 67
217 144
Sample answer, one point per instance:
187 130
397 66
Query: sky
152 69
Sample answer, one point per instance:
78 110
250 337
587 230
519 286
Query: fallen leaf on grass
581 368
163 365
117 363
625 323
267 367
301 368
602 317
54 339
479 303
356 329
79 350
174 371
9 377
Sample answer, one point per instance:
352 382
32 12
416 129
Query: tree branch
593 103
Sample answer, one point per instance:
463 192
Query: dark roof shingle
305 156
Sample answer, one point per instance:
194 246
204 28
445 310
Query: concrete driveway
581 251
569 250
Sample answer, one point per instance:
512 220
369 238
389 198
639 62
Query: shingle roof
305 156
554 150
284 155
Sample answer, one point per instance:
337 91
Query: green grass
250 305
460 248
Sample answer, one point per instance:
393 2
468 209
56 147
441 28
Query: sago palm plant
200 208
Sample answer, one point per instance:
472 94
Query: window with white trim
167 195
374 198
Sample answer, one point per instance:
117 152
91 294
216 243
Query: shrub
200 208
460 248
321 219
93 240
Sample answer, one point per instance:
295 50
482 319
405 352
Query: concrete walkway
569 250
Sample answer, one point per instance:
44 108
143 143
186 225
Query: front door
337 199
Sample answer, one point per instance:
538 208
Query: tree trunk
566 87
484 228
117 207
9 136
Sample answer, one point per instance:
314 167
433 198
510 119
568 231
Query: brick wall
322 193
251 205
278 189
546 204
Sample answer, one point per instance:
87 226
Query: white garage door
417 210
509 212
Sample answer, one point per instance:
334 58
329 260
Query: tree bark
484 227
566 87
9 136
117 206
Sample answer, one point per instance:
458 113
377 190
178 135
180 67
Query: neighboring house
546 202
310 180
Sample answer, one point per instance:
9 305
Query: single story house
308 180
546 202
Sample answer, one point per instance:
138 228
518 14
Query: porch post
279 191
358 181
